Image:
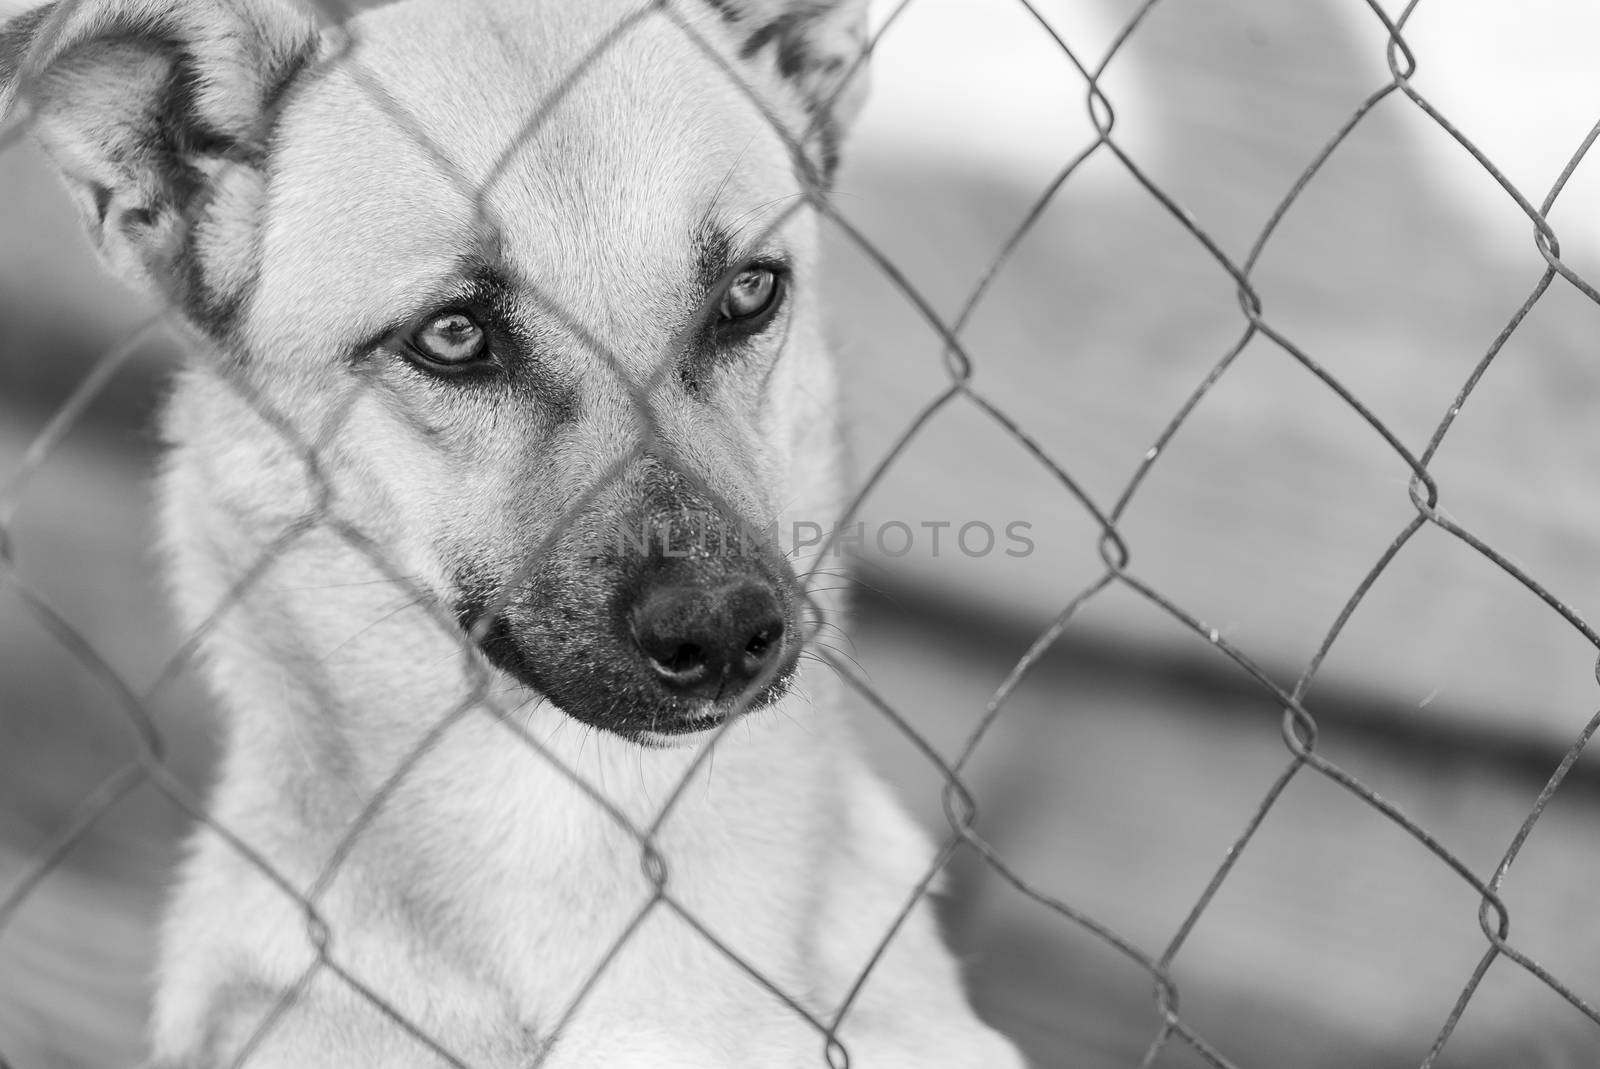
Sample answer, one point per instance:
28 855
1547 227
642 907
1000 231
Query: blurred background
1123 767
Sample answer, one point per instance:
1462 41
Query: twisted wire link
150 765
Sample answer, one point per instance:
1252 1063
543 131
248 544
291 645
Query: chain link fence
149 766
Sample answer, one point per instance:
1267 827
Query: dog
505 338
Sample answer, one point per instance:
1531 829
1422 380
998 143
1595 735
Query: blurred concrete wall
1394 270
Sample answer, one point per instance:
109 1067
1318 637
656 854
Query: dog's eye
752 293
450 340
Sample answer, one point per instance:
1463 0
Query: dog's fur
380 556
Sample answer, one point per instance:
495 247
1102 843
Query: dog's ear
156 116
820 46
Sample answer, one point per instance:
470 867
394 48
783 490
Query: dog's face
534 282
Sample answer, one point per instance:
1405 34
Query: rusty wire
150 767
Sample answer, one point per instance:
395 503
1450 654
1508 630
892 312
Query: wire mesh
1299 729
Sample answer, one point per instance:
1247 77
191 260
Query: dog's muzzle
709 641
661 640
713 640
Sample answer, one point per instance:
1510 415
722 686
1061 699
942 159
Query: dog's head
523 293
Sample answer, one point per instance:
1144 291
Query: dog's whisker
409 603
410 580
833 628
842 655
829 589
824 662
533 705
739 222
855 580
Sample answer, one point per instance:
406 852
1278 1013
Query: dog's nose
709 642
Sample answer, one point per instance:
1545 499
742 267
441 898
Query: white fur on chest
491 890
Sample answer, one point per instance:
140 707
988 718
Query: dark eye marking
469 328
750 301
448 342
749 294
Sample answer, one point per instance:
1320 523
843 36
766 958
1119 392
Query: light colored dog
506 330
